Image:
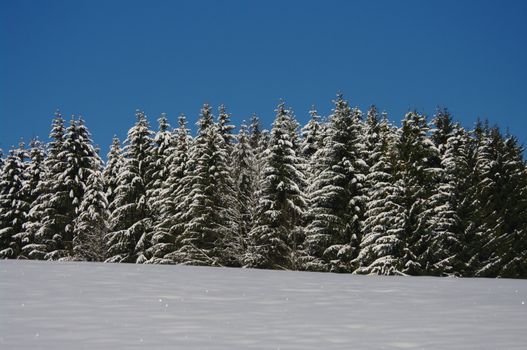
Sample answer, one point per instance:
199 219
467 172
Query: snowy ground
110 306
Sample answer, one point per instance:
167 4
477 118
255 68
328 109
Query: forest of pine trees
348 193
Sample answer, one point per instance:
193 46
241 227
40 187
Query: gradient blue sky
104 59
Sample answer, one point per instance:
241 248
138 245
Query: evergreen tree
173 193
225 128
450 205
335 194
443 129
417 172
209 234
77 159
311 136
273 239
42 226
255 132
91 225
35 175
513 242
112 169
13 202
384 215
158 172
130 223
501 192
244 180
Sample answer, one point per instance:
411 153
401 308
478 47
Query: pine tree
41 225
225 128
130 223
273 240
170 224
311 136
112 169
76 160
418 157
335 193
209 236
501 192
385 218
443 129
35 175
450 205
13 202
158 172
91 225
255 132
513 242
244 176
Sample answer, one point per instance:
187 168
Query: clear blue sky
104 59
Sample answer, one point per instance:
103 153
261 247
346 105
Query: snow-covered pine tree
130 223
170 224
450 204
41 225
91 225
209 234
272 243
501 192
111 171
335 193
311 136
384 219
78 157
443 129
513 245
244 183
163 144
35 175
225 127
13 202
417 169
259 141
254 132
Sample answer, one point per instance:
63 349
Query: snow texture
75 305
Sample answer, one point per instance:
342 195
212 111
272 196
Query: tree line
348 193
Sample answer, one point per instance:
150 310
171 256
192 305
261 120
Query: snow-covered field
122 306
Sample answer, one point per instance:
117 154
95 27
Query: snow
51 305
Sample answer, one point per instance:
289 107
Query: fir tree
443 129
91 225
255 132
35 175
273 239
501 192
208 235
13 202
335 194
130 223
173 193
225 128
417 172
112 169
40 225
244 180
158 172
76 160
311 136
385 218
450 205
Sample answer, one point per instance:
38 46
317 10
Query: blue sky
105 59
